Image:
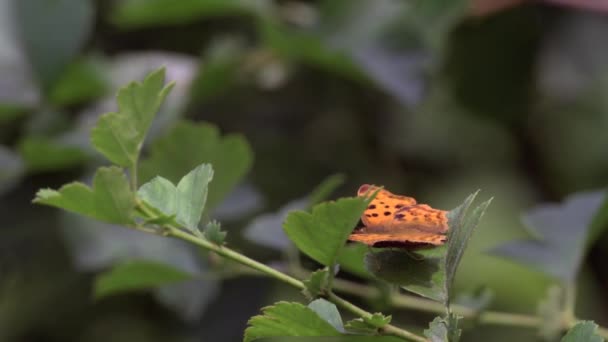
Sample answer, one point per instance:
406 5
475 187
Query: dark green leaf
322 191
584 331
288 319
351 259
137 275
119 136
136 13
42 154
561 234
188 145
82 81
424 276
328 312
110 199
317 284
214 233
461 229
322 234
186 201
37 20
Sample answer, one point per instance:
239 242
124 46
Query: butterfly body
399 221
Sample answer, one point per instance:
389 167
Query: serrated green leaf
214 233
444 329
187 145
322 191
317 283
461 229
584 331
137 275
186 201
322 234
119 136
328 312
42 154
417 274
288 319
561 234
110 200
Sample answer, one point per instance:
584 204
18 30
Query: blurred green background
433 99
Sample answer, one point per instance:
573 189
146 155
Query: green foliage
37 20
109 200
322 233
560 234
42 154
584 331
369 326
328 312
81 81
132 14
187 145
137 275
351 260
119 136
430 272
214 233
322 191
317 283
288 319
424 276
186 200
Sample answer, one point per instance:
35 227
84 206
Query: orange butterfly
398 221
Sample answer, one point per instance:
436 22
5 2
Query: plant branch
242 259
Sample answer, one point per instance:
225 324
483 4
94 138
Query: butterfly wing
398 221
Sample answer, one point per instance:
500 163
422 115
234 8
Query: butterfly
399 221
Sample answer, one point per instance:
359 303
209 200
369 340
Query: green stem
421 304
242 259
388 329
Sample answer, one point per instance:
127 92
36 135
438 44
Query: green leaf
424 276
461 229
550 311
584 331
42 154
322 234
444 329
188 145
429 272
322 191
37 20
110 200
288 319
328 312
317 284
351 259
137 275
82 81
186 201
561 234
130 14
214 233
370 326
120 136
